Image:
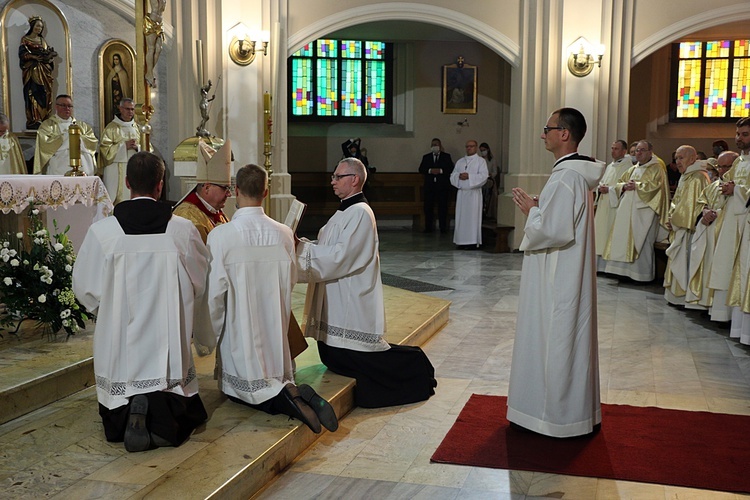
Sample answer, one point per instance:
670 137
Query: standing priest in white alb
119 142
344 308
554 375
252 272
468 176
142 272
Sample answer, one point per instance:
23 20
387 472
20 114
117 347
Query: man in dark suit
436 167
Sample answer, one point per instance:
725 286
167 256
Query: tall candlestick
204 60
199 60
267 118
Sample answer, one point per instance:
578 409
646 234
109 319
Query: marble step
59 449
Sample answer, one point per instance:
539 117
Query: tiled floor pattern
650 354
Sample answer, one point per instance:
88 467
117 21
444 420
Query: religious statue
118 84
205 100
153 31
37 63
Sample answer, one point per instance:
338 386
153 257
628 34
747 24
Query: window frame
674 84
388 59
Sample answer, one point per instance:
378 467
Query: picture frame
459 89
116 81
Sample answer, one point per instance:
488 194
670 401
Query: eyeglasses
547 129
228 189
336 177
66 106
641 150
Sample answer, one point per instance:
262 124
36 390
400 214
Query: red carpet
651 445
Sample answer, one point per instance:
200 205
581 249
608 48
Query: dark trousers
433 194
401 375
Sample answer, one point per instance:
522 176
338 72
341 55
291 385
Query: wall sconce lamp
583 56
242 48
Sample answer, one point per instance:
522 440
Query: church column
536 89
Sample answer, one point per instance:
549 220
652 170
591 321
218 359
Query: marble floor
650 354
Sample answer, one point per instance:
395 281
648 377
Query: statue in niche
37 63
118 83
205 100
153 30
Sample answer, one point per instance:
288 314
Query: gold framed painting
116 78
460 89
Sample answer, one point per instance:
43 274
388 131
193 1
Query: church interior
464 313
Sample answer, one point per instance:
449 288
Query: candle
204 82
199 60
267 117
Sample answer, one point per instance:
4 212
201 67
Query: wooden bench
389 194
501 233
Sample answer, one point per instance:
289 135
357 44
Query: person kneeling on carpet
251 277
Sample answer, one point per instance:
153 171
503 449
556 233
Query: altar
74 201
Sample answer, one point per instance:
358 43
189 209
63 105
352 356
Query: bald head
725 160
684 157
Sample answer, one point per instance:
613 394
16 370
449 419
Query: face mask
483 153
435 149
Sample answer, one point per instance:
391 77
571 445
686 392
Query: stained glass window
340 79
713 79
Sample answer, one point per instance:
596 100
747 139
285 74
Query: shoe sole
137 437
320 406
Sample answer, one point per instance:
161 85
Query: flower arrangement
37 283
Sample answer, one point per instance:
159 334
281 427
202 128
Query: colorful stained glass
742 48
740 88
302 92
351 49
715 88
305 51
351 87
718 48
327 87
688 90
327 48
375 88
690 50
374 50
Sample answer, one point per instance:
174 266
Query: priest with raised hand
52 153
119 143
142 272
252 273
554 375
344 309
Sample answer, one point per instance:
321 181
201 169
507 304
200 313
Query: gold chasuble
703 245
739 292
652 190
49 138
11 156
684 212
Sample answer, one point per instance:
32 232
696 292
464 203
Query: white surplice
143 290
252 273
554 378
468 228
606 207
115 155
344 305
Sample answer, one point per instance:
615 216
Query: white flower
58 246
41 232
6 244
5 258
65 322
12 252
14 263
68 268
65 314
8 281
35 211
38 241
42 299
19 235
25 262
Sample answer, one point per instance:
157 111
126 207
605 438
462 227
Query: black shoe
320 406
295 406
137 437
159 442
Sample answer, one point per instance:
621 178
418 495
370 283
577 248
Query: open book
296 211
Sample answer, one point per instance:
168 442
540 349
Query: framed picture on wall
459 88
116 78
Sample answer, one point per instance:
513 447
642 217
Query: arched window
341 80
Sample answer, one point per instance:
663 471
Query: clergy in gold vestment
644 209
52 156
738 189
11 154
683 213
607 199
119 143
